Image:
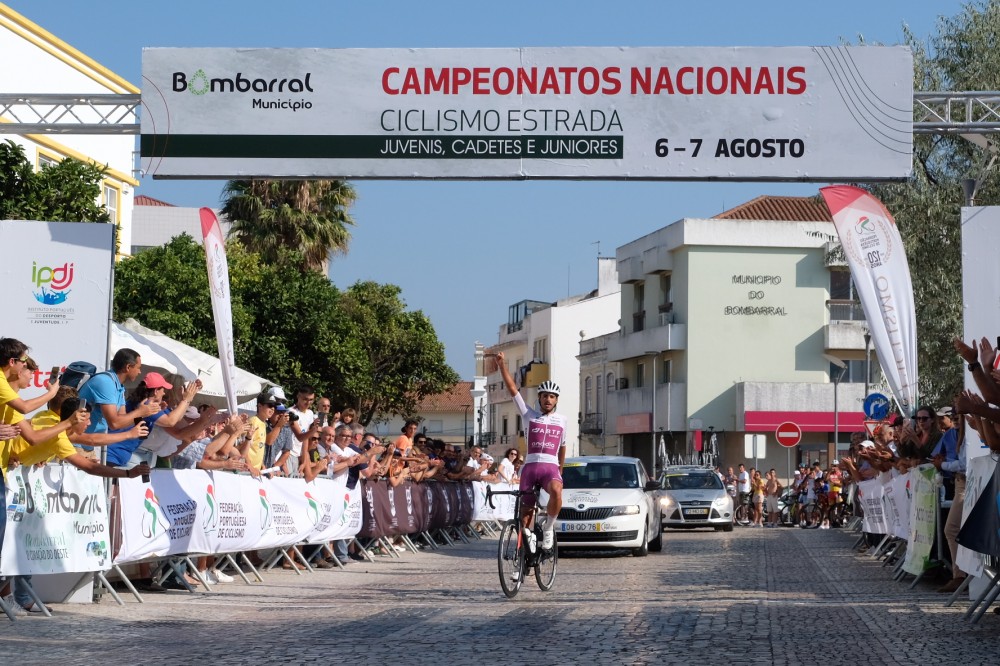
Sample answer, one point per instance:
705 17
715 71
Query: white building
728 325
155 222
37 62
540 342
447 416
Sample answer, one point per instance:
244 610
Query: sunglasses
314 439
923 418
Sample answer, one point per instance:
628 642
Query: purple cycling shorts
540 473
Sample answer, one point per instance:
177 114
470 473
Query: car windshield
691 482
600 475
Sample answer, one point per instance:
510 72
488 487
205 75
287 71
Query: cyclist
546 450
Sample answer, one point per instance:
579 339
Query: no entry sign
788 434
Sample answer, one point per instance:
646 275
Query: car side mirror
652 485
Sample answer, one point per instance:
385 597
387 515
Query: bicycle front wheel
545 570
510 559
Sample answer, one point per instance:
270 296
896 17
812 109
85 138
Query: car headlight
721 501
666 501
627 510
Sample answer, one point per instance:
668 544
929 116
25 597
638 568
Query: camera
292 417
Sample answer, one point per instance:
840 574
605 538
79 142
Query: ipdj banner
870 496
57 522
978 482
414 507
57 292
504 504
923 519
802 113
196 511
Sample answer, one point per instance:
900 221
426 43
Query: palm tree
309 216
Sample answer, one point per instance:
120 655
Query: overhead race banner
881 275
57 292
708 113
57 522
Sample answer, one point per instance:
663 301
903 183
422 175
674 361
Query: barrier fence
59 518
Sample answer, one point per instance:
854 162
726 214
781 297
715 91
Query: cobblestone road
782 596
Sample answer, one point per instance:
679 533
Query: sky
458 250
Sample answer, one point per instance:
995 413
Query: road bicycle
744 510
515 557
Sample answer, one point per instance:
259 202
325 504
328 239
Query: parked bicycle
520 548
744 510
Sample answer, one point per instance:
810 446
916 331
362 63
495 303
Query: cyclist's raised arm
505 373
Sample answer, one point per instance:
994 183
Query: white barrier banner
57 522
731 113
870 496
57 292
896 493
196 511
978 474
923 517
340 509
504 504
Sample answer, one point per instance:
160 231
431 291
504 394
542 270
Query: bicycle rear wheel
545 570
743 515
510 559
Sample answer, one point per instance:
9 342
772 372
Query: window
664 377
540 350
45 161
638 309
597 396
503 427
842 287
111 201
640 370
588 395
611 382
435 426
855 373
665 300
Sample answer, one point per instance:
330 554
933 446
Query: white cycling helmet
548 387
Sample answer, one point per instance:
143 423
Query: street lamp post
836 408
652 425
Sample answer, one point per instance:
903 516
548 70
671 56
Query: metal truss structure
933 113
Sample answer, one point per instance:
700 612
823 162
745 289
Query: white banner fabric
897 498
504 504
881 276
57 292
57 522
698 113
923 517
196 511
978 474
870 496
222 307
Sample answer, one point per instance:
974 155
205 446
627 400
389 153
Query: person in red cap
150 392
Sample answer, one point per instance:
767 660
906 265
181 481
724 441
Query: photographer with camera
302 421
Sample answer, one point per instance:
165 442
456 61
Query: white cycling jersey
546 433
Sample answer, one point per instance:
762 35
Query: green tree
961 56
63 192
392 358
360 347
310 217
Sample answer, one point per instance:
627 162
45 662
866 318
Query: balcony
657 259
592 424
665 337
487 438
847 327
630 270
634 406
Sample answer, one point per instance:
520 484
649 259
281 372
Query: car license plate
587 527
696 512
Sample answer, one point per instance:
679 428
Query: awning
807 421
164 354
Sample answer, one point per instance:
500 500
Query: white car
608 502
695 497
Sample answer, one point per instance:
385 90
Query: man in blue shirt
106 391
